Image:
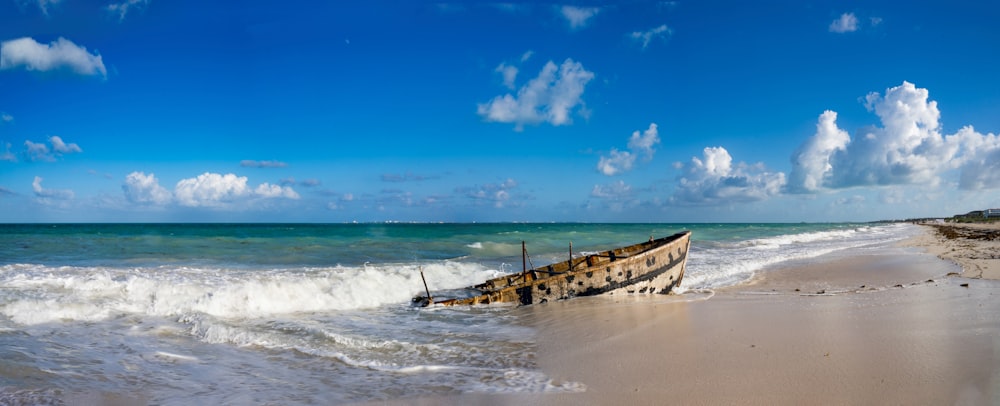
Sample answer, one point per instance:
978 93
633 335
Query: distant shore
892 325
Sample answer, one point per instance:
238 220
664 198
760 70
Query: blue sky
679 111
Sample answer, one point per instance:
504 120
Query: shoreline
885 326
973 246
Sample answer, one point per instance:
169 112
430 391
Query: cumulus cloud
714 179
811 164
847 22
121 9
550 97
578 16
639 145
211 189
616 162
59 54
145 189
43 193
247 163
499 195
206 190
907 149
646 37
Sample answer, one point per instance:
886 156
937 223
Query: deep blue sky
681 111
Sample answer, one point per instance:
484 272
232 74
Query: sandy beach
893 326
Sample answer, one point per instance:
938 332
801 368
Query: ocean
315 313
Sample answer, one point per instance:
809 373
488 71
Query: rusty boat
654 266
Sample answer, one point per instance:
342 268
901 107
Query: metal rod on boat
524 257
570 256
425 285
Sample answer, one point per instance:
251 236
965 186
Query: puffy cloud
58 194
847 22
59 54
640 144
497 194
267 190
645 37
63 148
578 16
211 189
216 190
509 74
983 170
145 189
643 143
247 163
6 118
550 97
908 149
811 163
121 9
616 162
715 180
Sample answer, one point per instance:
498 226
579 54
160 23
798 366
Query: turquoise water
314 313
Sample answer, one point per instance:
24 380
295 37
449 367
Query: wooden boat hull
656 266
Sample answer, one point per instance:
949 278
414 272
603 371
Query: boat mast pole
524 257
570 256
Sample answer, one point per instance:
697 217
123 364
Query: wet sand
883 327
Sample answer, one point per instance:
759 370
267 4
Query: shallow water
283 313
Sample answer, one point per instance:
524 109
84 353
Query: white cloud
60 54
715 180
6 117
121 9
908 149
63 148
145 189
639 144
211 190
646 37
216 190
37 151
578 16
643 143
247 163
811 163
58 194
509 74
550 97
616 162
267 190
847 22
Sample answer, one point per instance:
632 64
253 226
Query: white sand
874 329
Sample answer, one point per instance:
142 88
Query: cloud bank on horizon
411 159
